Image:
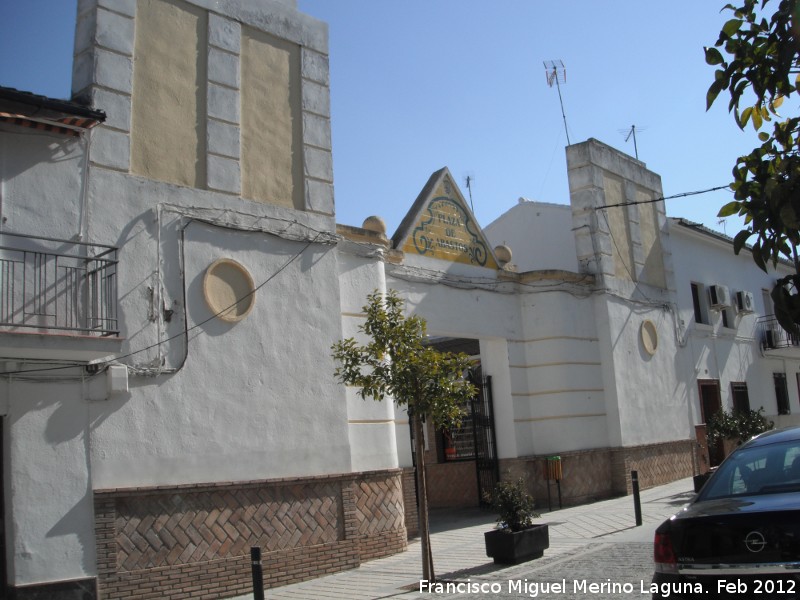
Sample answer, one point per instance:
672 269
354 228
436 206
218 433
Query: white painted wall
242 405
494 363
555 373
645 390
545 242
377 429
40 169
48 485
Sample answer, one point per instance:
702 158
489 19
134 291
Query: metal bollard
637 503
258 576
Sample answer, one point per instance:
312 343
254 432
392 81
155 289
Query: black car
740 536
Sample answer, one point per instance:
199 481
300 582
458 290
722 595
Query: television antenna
469 179
631 133
557 73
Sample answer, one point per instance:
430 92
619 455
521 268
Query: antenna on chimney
557 73
631 133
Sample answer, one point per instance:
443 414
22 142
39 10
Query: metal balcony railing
53 286
775 337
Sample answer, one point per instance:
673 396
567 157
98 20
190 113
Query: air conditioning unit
745 302
719 296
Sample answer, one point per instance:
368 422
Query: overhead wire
653 200
429 276
182 333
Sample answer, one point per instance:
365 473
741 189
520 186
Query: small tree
737 425
397 363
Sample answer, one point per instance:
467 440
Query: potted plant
517 539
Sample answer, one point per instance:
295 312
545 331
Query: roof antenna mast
557 73
632 134
468 181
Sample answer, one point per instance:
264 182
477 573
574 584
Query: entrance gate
486 465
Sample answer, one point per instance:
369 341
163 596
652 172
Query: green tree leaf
713 92
713 56
731 27
731 208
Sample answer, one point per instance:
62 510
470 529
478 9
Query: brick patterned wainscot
194 541
590 475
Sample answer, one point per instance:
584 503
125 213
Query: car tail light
664 555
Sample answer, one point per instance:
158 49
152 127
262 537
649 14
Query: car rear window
770 469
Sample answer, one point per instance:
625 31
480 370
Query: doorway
711 404
462 464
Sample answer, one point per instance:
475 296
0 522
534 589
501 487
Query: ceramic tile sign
446 230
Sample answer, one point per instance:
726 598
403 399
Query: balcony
58 299
776 341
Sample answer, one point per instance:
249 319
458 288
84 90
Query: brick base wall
589 475
452 484
656 464
194 541
410 501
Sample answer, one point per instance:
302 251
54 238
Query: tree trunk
422 493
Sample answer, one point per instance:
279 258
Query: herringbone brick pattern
661 463
452 485
181 528
410 502
379 506
603 472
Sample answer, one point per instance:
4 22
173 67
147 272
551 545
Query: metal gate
482 408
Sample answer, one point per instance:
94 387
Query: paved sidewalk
459 553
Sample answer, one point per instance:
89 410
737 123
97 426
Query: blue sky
421 84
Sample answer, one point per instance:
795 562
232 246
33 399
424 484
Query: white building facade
173 279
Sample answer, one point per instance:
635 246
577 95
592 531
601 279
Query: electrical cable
185 332
651 201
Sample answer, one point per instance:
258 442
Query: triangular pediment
441 225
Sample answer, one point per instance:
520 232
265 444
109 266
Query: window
459 443
797 377
698 302
769 309
741 400
781 393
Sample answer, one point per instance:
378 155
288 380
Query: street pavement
596 551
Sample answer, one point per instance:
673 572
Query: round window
229 290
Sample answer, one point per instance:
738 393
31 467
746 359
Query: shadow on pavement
681 499
446 519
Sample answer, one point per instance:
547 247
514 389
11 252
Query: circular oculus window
229 290
649 335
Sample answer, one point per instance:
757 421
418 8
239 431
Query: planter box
512 547
700 481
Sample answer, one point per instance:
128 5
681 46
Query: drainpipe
83 225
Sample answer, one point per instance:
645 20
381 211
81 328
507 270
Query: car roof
774 436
